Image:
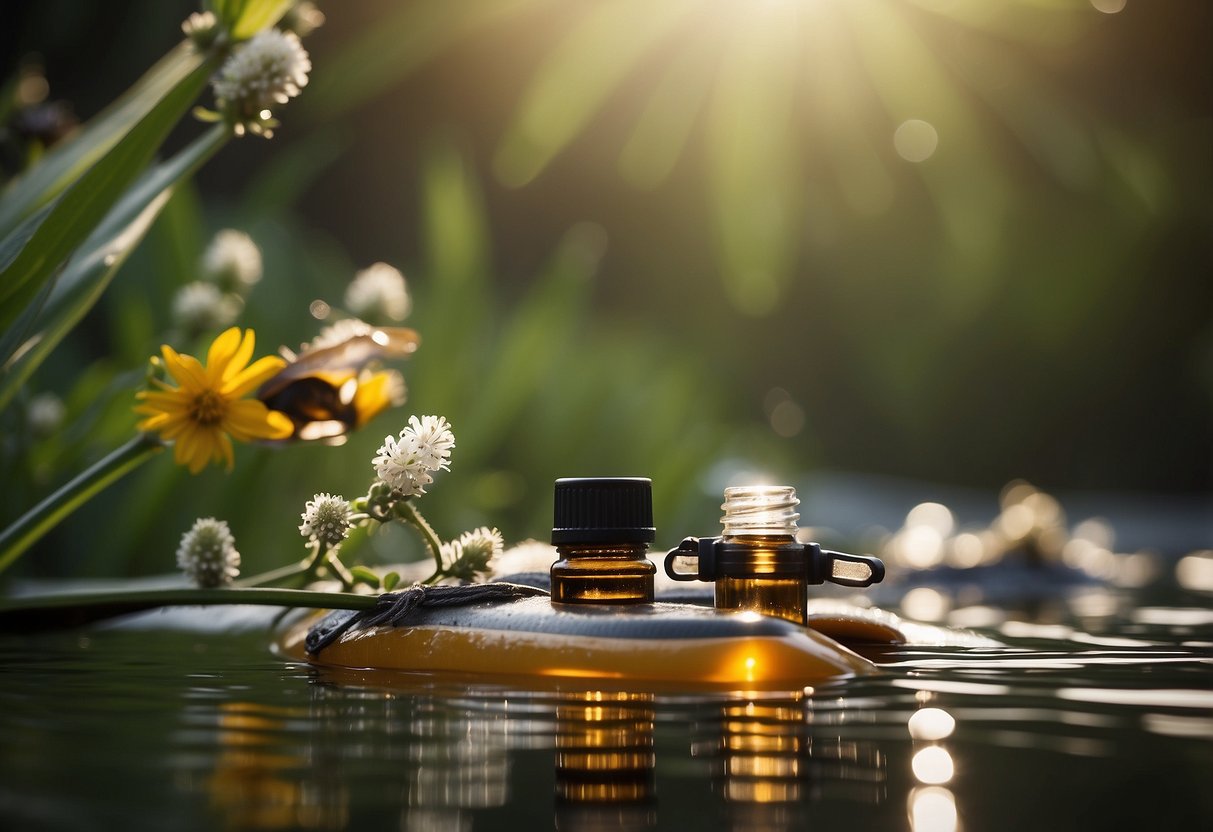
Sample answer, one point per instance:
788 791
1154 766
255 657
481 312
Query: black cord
394 608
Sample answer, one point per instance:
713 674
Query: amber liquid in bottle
783 597
763 519
618 573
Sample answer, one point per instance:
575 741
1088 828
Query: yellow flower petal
374 395
249 419
281 424
246 380
220 355
185 369
205 411
244 354
153 422
163 401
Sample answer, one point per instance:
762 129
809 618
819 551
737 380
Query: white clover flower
201 28
271 68
45 413
207 553
472 552
399 465
200 306
326 518
423 447
434 441
232 261
378 292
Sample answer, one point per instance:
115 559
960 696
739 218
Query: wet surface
1087 717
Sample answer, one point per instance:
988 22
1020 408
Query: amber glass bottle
602 528
763 520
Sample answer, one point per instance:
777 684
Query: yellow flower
207 411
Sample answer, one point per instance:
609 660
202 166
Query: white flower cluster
201 27
472 552
200 306
378 292
229 267
407 464
207 553
232 261
270 68
45 413
326 518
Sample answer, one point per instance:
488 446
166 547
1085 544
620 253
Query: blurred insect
330 388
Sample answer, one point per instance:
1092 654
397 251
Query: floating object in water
601 621
677 643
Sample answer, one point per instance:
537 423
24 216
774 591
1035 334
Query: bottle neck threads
759 511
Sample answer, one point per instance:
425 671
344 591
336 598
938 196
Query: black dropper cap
603 510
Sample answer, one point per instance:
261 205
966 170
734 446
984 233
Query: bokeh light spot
933 765
933 809
1195 571
1109 6
925 604
931 724
915 140
787 419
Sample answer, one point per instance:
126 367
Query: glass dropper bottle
602 528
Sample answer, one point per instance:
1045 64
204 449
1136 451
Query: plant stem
47 514
274 575
334 563
71 608
409 512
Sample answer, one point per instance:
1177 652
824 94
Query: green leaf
98 259
65 162
36 522
363 575
78 211
257 15
390 580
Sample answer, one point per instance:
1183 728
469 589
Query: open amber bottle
602 528
758 564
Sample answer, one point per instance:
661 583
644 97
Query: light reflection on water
154 729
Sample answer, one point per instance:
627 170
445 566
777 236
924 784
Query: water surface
1078 722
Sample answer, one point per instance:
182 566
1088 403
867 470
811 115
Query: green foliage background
632 229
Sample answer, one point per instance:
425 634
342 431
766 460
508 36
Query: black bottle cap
603 510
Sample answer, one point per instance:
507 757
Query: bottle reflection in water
605 762
772 760
763 767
